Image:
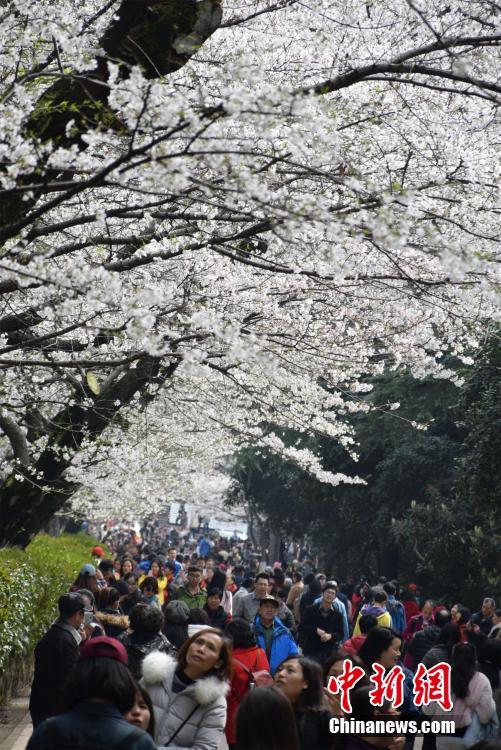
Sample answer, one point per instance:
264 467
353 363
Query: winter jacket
435 655
411 608
352 646
312 619
192 600
89 726
421 643
205 697
397 614
219 618
287 618
478 699
56 655
414 625
162 586
313 730
248 606
139 645
113 622
254 659
283 644
484 623
338 605
294 596
380 613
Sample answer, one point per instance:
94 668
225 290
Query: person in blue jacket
395 608
271 633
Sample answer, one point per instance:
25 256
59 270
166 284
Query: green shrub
31 581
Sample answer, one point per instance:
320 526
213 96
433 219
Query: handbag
477 731
257 678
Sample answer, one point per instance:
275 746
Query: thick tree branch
17 439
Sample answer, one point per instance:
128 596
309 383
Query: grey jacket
204 728
248 606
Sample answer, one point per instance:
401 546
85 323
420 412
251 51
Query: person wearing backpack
250 669
395 608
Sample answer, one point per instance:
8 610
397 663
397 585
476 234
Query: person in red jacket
367 622
247 657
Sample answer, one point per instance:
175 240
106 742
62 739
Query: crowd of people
192 649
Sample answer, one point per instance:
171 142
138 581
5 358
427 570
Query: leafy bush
31 582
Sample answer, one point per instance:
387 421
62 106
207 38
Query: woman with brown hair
300 680
188 693
86 579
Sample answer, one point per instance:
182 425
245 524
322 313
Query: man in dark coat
56 655
321 627
427 638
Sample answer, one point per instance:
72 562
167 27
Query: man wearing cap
271 633
56 655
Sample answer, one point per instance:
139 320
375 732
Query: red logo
433 684
345 683
389 686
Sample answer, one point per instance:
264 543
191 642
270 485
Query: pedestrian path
16 727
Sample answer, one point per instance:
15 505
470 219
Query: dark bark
27 502
390 560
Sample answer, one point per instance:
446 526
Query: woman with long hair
86 579
265 721
247 658
127 567
98 694
188 693
300 680
471 694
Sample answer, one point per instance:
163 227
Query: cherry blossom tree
220 216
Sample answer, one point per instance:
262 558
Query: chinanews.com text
375 727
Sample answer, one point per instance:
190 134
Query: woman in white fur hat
188 693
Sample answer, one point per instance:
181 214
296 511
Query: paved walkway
15 723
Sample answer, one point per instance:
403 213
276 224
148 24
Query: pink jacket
479 699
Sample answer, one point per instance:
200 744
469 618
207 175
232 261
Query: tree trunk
390 561
28 502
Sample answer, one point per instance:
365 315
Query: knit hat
87 569
177 612
103 646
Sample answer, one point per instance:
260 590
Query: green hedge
31 582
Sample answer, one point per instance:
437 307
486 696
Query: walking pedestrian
56 656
